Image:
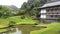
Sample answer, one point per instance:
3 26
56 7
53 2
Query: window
43 16
55 15
51 15
47 10
43 11
51 9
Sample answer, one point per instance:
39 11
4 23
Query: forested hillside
30 7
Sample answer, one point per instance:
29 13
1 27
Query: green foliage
33 11
12 23
37 3
23 9
31 8
26 20
24 6
22 17
5 11
21 12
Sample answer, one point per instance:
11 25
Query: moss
51 29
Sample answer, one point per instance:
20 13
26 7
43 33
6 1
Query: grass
53 28
17 19
3 22
3 30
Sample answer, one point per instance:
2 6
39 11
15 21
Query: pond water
14 32
23 29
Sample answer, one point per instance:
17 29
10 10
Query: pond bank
25 28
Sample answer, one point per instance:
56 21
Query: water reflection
26 29
17 31
23 29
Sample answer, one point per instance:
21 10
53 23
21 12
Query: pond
22 29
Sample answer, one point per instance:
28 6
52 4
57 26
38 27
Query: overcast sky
17 3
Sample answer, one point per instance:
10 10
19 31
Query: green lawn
17 19
53 28
3 22
26 20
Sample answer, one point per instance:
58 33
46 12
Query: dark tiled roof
51 4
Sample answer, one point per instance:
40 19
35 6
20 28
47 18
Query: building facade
50 11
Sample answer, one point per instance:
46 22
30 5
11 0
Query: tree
24 5
23 8
5 11
21 12
30 7
33 11
36 3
